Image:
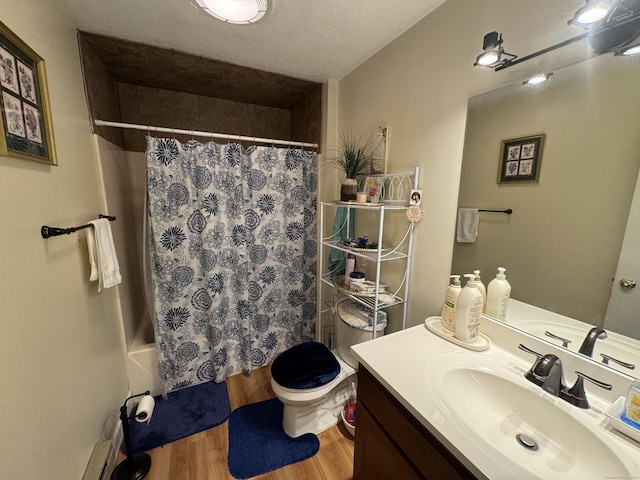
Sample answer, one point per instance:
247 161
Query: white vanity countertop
400 360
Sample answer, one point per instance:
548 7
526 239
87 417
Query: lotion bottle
468 311
498 293
349 267
482 289
449 304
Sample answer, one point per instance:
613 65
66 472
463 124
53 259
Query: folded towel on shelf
467 228
342 228
102 255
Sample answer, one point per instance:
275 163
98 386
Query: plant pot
348 189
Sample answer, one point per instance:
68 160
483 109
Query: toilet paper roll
145 409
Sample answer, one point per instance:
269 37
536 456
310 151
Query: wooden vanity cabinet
391 444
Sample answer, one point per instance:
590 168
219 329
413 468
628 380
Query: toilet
314 382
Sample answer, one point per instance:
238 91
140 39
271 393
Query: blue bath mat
258 444
183 413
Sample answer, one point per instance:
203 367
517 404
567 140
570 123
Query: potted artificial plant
353 158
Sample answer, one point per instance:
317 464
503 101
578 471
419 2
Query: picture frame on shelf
520 159
373 187
25 128
416 197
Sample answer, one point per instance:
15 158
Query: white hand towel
102 255
467 229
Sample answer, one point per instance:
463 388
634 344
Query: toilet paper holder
135 466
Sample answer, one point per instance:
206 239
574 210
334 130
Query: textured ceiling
306 39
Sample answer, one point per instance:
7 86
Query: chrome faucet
590 341
547 373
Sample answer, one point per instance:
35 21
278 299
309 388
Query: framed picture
520 159
25 129
416 197
380 149
373 187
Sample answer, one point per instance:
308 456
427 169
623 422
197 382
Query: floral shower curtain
233 255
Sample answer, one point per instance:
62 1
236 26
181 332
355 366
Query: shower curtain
232 235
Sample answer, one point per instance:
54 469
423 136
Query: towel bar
47 232
508 211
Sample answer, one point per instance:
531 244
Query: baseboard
116 441
117 438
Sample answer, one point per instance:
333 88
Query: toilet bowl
314 382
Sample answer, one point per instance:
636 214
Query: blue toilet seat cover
307 365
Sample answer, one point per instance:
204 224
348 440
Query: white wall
63 373
419 86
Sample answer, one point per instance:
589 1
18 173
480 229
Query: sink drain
527 442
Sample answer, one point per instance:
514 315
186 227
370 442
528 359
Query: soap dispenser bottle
449 304
482 289
498 293
468 311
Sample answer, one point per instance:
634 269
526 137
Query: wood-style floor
203 456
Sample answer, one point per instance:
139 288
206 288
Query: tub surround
142 362
399 363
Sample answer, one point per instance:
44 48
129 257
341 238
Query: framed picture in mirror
520 159
25 128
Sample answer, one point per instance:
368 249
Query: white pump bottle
449 304
498 293
482 289
468 311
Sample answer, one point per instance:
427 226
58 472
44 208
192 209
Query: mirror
562 243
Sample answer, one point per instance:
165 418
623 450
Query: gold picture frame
25 129
520 159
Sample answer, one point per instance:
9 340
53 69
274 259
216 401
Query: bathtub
142 362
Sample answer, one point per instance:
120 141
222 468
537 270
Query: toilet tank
353 324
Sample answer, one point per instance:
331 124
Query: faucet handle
565 341
528 350
606 358
576 394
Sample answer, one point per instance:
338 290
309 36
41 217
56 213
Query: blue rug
258 444
183 413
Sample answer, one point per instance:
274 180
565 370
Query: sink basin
533 434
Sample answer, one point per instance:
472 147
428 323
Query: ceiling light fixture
236 11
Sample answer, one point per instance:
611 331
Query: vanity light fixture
540 78
236 11
493 51
616 26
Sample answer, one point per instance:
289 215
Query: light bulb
541 77
631 50
488 58
235 11
593 12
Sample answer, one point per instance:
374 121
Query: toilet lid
307 365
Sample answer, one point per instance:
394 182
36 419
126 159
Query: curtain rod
197 133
